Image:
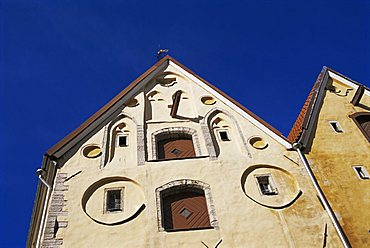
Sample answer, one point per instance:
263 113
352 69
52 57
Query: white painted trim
258 124
364 171
345 81
340 128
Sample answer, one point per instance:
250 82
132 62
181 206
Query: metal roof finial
161 51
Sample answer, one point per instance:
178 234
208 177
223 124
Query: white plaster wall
242 222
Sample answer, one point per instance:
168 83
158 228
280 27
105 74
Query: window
336 126
224 135
362 120
175 143
176 146
114 200
266 185
184 209
122 141
361 172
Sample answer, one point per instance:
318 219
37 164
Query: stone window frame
168 132
106 190
181 184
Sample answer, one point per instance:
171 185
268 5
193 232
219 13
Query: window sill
189 229
169 159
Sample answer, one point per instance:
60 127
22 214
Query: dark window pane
336 127
114 200
361 173
266 186
122 141
224 136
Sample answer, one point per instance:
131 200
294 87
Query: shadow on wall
95 195
286 188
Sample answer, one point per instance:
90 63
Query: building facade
335 133
172 161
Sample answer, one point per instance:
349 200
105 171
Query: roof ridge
302 117
58 146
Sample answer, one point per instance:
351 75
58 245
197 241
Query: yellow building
333 129
172 161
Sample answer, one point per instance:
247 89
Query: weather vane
160 51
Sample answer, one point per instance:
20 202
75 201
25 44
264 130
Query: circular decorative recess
258 143
208 100
270 186
132 103
95 204
92 151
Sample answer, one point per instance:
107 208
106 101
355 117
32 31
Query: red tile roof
302 118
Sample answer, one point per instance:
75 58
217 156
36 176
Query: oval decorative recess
132 103
282 188
94 200
91 151
208 100
258 143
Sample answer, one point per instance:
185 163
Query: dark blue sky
60 61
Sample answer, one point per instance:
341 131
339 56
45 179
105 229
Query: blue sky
60 61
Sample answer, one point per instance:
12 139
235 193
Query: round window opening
258 143
208 100
92 151
132 103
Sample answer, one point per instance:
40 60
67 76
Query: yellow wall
333 156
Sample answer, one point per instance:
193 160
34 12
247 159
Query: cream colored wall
245 217
333 156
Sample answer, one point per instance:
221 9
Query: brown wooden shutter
185 210
176 148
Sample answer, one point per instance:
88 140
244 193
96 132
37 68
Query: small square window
114 200
361 172
122 141
224 135
266 185
336 126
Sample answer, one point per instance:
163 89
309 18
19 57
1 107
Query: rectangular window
336 126
122 140
114 200
266 185
361 172
224 135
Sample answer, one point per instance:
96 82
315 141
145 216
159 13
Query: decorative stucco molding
107 140
205 123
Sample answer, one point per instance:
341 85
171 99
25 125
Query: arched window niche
362 120
219 128
125 136
185 205
175 143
